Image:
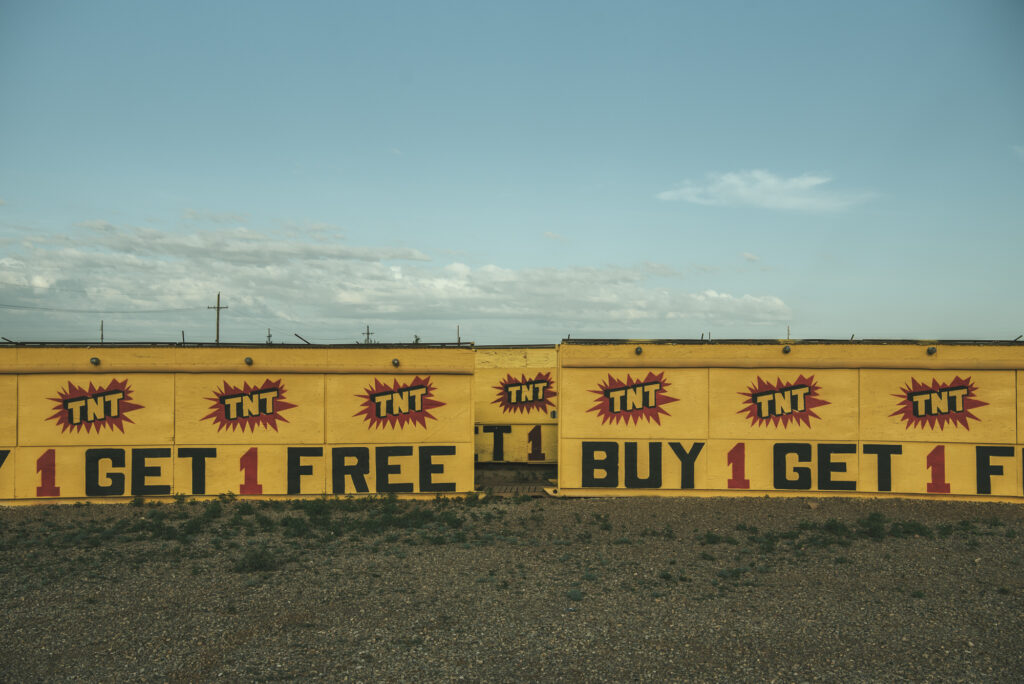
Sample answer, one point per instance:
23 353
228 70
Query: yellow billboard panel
752 466
250 470
249 409
508 443
541 357
116 360
8 409
1020 406
515 395
255 359
783 465
784 404
641 465
965 406
501 357
416 358
636 403
941 469
399 468
399 408
95 409
49 472
790 354
7 472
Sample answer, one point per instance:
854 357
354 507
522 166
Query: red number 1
46 466
248 464
937 464
534 436
737 458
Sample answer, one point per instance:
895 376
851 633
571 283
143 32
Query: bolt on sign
254 422
516 404
682 419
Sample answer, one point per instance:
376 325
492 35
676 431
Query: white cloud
1017 149
555 237
751 257
327 292
765 190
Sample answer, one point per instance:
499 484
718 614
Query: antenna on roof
302 338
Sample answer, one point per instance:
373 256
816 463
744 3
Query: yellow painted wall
104 408
516 393
271 408
158 421
867 419
8 410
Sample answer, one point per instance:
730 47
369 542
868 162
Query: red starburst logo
399 403
94 408
525 395
937 404
248 406
782 402
633 399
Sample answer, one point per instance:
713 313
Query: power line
95 311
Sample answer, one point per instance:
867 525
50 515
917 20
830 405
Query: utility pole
218 308
268 335
367 334
101 331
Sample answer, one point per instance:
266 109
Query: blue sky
525 171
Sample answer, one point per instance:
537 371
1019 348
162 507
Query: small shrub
256 560
873 526
910 528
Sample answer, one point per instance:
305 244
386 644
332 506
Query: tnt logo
399 403
938 404
782 402
248 406
93 408
524 394
260 403
633 399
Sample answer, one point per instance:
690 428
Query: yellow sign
516 443
638 403
243 409
401 409
77 472
115 423
783 403
871 428
98 409
8 410
967 406
516 405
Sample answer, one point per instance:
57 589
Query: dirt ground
512 589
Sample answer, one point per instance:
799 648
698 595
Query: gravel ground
513 589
